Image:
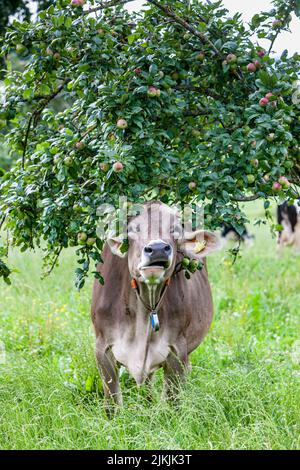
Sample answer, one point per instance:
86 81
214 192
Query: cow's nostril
148 250
167 248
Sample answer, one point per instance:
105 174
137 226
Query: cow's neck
145 296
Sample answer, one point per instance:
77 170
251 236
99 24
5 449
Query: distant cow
288 216
147 315
230 233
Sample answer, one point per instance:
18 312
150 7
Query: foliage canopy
168 92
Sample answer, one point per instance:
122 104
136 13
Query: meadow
243 391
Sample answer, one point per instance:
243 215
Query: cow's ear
199 244
118 246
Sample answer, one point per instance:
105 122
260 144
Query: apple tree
178 102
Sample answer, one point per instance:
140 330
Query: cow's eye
133 230
176 232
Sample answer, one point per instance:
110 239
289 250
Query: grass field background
243 392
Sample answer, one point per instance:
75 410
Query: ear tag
154 320
199 246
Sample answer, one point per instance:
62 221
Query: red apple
122 123
118 166
77 3
261 53
153 91
264 101
269 95
277 186
138 71
284 182
251 67
79 145
277 24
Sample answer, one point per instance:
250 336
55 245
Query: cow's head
155 236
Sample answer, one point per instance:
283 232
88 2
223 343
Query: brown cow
137 283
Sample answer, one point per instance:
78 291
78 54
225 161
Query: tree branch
280 29
113 3
204 39
186 25
2 219
296 182
205 91
47 273
247 198
36 113
197 112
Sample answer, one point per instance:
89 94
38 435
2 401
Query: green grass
243 392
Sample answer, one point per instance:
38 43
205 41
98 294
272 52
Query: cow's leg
110 376
175 369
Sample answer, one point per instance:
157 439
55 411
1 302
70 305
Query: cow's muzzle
157 253
156 259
